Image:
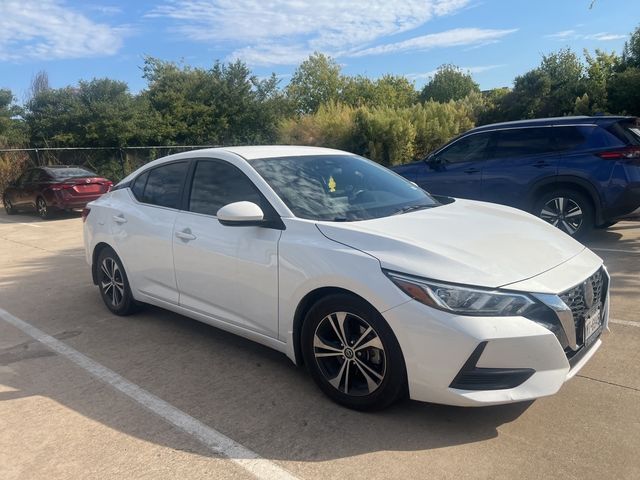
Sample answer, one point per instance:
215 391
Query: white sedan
380 289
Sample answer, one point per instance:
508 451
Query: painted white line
211 438
23 223
619 250
625 322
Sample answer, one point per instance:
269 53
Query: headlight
462 300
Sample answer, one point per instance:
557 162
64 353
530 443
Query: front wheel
570 211
8 206
114 285
352 353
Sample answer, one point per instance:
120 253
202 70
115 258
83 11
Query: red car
54 188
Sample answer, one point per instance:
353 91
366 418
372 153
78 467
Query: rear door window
162 185
520 142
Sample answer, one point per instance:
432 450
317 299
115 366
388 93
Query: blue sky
493 39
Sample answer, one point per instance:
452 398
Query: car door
517 159
15 194
456 169
142 229
229 273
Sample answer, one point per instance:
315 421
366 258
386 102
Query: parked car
346 267
576 173
54 188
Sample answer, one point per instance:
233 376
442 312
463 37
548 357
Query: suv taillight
626 153
85 214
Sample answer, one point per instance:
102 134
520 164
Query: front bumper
439 346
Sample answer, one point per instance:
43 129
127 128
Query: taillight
85 213
61 186
627 153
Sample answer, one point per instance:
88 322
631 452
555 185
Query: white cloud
284 32
574 35
48 29
449 38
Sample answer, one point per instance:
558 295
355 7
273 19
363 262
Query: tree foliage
449 83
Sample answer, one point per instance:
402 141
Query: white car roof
273 151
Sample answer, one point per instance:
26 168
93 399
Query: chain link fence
113 163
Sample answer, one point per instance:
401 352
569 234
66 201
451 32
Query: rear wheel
114 285
8 206
42 208
352 353
569 210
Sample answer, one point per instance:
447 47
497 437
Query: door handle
471 170
119 219
186 235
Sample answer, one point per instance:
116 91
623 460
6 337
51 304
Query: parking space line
211 438
625 322
22 223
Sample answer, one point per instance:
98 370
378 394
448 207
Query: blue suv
577 173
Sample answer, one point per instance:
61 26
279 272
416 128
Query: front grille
585 298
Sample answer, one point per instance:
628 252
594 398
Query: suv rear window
626 131
567 138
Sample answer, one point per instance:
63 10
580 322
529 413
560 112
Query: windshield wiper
412 208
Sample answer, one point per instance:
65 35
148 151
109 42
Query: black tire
114 284
42 209
8 206
384 367
606 225
563 207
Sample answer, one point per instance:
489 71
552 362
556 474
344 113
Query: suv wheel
352 353
568 210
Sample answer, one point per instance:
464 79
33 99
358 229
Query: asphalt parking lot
192 384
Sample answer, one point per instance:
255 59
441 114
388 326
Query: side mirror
241 214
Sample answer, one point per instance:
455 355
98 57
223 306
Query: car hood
468 242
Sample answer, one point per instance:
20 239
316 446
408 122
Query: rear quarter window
627 132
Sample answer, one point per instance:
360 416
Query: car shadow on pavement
250 393
28 217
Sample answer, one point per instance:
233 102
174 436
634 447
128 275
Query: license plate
592 326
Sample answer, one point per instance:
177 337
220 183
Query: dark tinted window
71 172
567 138
467 149
138 185
216 184
164 185
519 142
627 132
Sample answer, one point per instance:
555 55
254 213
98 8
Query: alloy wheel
41 206
563 213
349 354
112 281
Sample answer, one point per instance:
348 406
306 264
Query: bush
12 164
388 135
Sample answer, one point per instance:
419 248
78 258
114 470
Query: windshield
340 187
75 172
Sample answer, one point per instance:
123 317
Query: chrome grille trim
583 299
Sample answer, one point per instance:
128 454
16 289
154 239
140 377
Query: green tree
12 128
624 92
600 69
631 51
449 83
316 81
